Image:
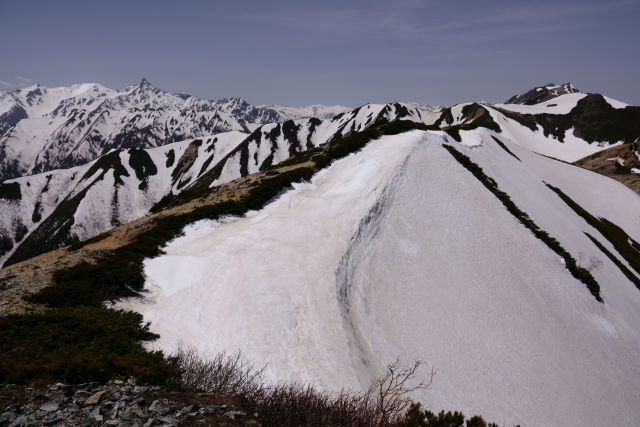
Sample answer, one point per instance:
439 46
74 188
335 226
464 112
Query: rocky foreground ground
117 403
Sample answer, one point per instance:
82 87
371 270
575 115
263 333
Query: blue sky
330 52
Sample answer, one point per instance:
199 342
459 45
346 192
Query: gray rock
95 398
57 396
168 420
7 417
141 412
186 410
52 419
234 414
50 406
160 406
140 389
128 416
22 420
29 408
150 422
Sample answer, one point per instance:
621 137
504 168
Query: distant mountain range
136 168
42 128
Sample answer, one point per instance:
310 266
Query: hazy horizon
333 53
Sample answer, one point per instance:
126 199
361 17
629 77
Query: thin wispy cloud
24 79
6 84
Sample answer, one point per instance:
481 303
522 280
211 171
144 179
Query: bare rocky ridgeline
117 403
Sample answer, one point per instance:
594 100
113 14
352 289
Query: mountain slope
567 127
621 163
46 211
42 128
541 94
399 251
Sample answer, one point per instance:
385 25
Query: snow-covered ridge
339 276
42 128
27 222
55 208
542 94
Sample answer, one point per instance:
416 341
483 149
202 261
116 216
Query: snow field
398 251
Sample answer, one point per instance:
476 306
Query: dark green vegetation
94 239
171 157
628 273
52 231
628 248
475 116
77 345
185 162
504 147
106 163
580 273
10 191
622 169
592 119
143 166
417 417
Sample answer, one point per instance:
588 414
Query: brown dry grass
599 163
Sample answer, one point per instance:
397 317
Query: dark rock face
542 94
11 118
592 119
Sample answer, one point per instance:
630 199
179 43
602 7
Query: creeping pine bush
580 273
628 248
77 345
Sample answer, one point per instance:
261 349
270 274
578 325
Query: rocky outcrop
542 94
116 403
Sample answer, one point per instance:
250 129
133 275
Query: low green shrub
576 271
504 147
78 345
628 248
418 417
629 275
95 239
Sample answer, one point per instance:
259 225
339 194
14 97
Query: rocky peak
542 93
145 83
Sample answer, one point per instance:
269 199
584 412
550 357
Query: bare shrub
594 263
393 389
293 404
225 373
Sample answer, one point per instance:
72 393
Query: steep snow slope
400 251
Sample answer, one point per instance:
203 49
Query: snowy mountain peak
42 128
145 83
542 93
